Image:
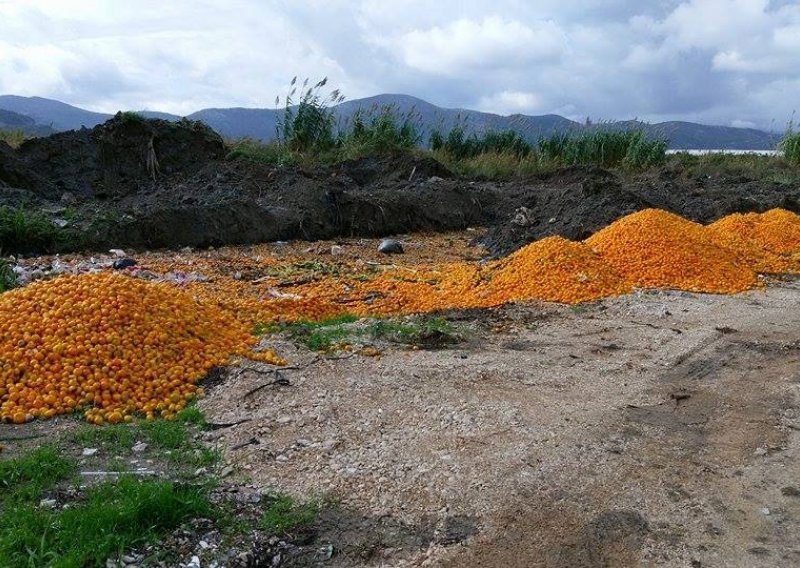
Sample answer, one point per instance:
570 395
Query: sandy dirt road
658 429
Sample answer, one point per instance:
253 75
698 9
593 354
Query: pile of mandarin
113 346
110 346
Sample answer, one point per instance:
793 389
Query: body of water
732 152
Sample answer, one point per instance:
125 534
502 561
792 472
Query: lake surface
732 152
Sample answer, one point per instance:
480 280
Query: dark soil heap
123 156
141 183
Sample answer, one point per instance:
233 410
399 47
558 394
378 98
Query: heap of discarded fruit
113 346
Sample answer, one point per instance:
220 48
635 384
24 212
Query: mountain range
40 116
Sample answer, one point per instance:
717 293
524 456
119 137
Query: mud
149 184
640 431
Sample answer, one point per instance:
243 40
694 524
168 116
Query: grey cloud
720 61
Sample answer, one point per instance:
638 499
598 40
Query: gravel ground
654 429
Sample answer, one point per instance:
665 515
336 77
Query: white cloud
717 61
511 102
468 46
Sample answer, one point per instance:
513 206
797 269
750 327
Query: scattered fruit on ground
114 346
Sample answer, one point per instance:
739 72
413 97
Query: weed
320 335
8 279
27 476
13 137
192 415
495 166
602 147
116 438
272 154
790 146
303 327
308 126
130 117
327 334
24 231
751 166
113 517
283 515
457 145
410 332
378 131
174 437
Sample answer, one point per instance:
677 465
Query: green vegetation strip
108 519
330 333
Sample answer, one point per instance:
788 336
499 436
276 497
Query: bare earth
655 429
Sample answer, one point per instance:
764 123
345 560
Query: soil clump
140 183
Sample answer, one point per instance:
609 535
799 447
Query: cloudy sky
732 62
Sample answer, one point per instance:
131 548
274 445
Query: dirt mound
122 156
572 204
576 202
392 169
135 182
14 173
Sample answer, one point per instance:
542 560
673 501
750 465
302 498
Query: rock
139 447
390 246
522 217
194 562
328 445
226 471
790 491
47 503
68 198
60 223
118 253
760 451
124 263
337 250
88 452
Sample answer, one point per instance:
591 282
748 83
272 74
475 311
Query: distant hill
59 116
10 120
261 123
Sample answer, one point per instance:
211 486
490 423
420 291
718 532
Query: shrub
378 131
24 231
790 146
459 146
308 126
605 148
273 154
13 137
8 279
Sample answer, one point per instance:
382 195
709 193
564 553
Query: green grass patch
330 333
113 517
271 154
26 231
175 437
748 166
25 477
8 279
115 438
13 137
410 332
790 146
283 515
